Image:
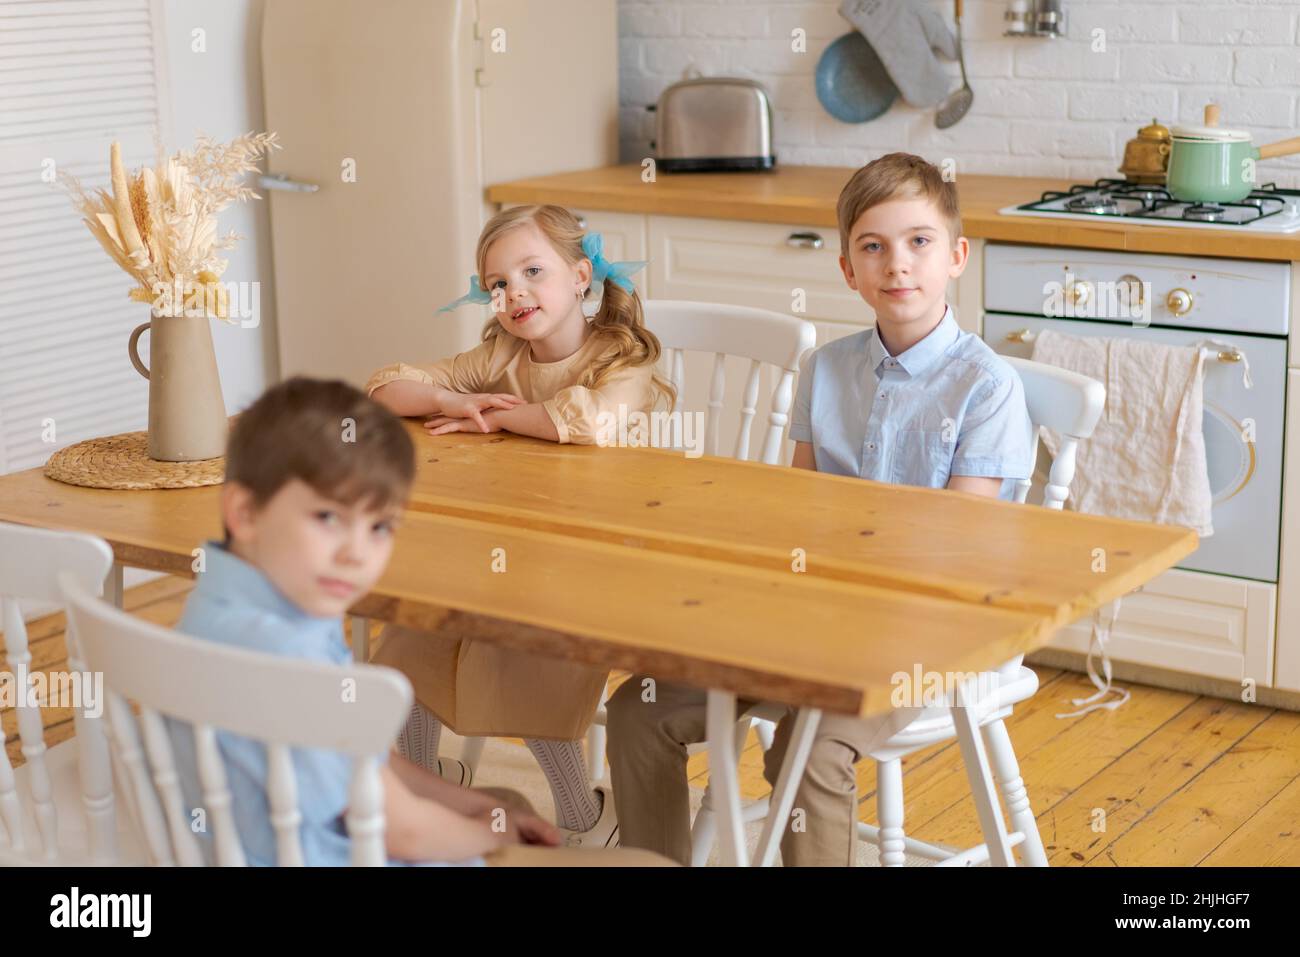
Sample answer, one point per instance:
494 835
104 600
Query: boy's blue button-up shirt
947 406
233 603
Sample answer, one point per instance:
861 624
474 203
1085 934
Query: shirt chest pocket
921 457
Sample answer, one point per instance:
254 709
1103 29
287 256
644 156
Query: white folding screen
74 76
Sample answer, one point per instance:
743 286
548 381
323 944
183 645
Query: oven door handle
1222 351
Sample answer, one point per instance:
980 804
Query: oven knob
1179 302
1130 289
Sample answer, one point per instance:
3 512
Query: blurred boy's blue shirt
947 406
234 604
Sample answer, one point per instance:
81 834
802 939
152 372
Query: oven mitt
905 34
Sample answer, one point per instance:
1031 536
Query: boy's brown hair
344 445
896 176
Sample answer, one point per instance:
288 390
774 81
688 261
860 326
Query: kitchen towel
1145 459
905 34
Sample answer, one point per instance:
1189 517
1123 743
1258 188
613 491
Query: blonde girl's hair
619 321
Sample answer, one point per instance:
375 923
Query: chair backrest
724 330
30 561
281 702
1067 403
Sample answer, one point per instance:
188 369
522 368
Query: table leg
787 783
113 592
360 638
978 772
724 779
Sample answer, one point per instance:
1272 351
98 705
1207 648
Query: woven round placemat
122 461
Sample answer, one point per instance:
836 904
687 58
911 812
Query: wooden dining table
749 581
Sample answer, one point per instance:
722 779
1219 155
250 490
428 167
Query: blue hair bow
593 244
475 295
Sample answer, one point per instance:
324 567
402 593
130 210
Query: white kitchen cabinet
1287 665
765 265
1208 625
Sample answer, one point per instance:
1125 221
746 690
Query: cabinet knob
805 241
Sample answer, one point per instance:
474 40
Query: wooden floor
1168 779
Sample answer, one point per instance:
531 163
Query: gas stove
1267 209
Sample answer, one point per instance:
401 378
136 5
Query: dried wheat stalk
160 224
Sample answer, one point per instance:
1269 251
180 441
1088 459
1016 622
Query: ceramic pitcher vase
187 415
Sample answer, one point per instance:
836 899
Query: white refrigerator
400 113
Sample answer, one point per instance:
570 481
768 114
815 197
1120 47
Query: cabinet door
1191 622
767 265
1287 674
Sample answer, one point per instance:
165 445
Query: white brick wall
1042 107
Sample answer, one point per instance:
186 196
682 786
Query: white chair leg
720 722
95 770
980 776
705 829
31 730
1014 795
793 764
472 752
889 808
766 731
596 738
11 812
596 752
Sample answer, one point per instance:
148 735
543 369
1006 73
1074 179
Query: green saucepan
1208 164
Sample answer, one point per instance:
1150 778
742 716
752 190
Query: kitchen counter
806 195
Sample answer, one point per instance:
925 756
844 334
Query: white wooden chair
58 807
764 338
282 702
1070 405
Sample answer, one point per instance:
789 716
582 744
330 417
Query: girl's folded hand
442 424
471 406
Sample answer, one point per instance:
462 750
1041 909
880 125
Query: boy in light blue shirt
914 401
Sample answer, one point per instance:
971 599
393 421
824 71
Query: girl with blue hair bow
543 369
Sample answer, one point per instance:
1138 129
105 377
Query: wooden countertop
806 195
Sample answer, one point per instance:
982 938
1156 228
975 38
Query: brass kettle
1146 157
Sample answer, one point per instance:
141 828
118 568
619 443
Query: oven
1242 305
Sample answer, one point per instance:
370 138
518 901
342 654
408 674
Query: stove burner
1152 203
1204 212
1091 203
1148 194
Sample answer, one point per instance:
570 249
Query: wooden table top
681 568
925 541
806 196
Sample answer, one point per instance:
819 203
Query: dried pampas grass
160 224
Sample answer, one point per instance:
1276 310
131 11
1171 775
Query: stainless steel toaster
713 123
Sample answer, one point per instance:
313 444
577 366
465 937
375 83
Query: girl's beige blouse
504 364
